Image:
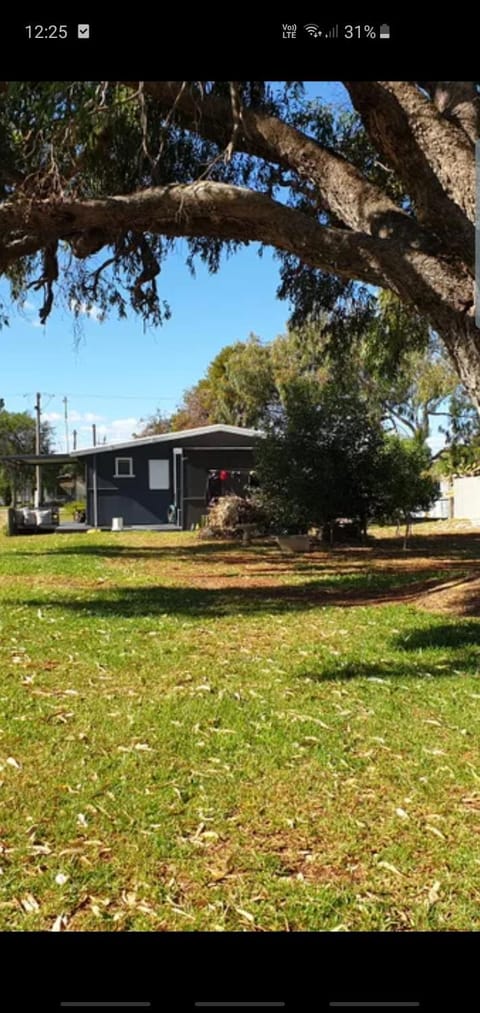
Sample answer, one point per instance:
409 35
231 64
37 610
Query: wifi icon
313 30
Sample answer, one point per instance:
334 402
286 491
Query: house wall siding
132 498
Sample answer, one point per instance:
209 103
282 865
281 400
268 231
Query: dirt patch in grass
378 574
460 598
298 854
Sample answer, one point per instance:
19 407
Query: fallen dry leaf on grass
245 914
129 897
472 801
433 894
216 875
41 849
29 904
389 867
436 831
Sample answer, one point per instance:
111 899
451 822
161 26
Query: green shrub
70 509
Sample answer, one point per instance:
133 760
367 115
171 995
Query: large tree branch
457 101
396 415
200 209
443 144
221 211
15 248
361 205
431 155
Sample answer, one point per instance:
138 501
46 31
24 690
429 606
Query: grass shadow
457 645
400 668
341 591
448 635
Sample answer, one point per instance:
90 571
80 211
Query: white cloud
52 417
84 309
92 417
121 429
116 431
112 431
75 416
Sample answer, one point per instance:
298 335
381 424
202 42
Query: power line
105 397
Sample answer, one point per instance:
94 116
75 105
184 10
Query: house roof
168 438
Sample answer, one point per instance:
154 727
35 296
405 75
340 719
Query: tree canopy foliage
407 486
397 363
99 179
325 455
17 436
319 457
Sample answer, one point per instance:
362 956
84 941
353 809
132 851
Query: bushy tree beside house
405 484
319 458
326 455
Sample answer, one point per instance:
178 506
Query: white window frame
120 475
166 470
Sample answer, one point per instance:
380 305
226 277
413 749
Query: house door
178 484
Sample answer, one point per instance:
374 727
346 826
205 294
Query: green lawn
200 736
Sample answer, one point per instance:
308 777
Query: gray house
164 480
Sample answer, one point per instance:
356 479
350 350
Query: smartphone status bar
348 32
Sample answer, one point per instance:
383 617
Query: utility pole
38 471
65 402
74 439
94 434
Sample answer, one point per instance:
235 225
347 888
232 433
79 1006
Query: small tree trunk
11 526
407 532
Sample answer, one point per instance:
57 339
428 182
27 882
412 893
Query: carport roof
37 458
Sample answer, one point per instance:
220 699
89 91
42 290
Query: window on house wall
124 467
158 475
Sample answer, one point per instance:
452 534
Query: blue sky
119 373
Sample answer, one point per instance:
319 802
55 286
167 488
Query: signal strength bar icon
333 33
313 30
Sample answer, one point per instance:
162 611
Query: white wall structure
441 509
466 497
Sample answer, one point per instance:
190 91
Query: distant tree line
17 436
